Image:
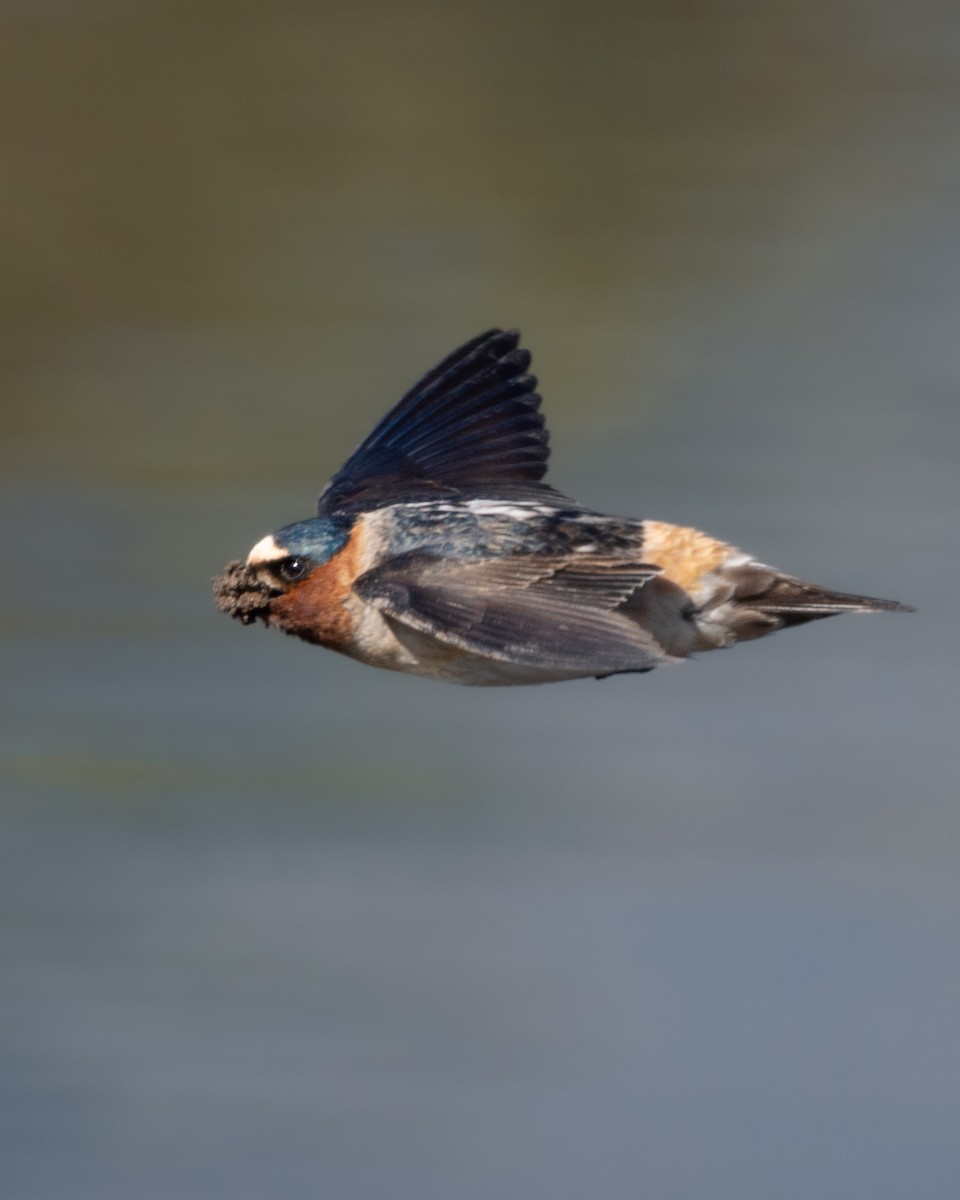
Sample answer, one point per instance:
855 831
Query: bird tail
794 602
758 600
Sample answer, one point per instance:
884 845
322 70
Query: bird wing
530 609
473 420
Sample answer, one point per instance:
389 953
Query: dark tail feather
792 602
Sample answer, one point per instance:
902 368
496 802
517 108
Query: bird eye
292 569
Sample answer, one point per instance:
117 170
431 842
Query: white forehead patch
265 551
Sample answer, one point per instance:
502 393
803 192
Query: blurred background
275 924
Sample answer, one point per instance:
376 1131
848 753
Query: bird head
278 565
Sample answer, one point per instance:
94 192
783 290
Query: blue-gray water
273 924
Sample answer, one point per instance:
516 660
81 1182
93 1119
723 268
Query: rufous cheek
316 608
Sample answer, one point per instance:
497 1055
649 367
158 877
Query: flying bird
438 550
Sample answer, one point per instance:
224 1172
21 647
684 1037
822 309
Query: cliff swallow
437 549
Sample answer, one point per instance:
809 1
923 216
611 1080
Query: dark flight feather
473 421
526 609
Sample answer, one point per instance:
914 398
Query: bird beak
243 593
